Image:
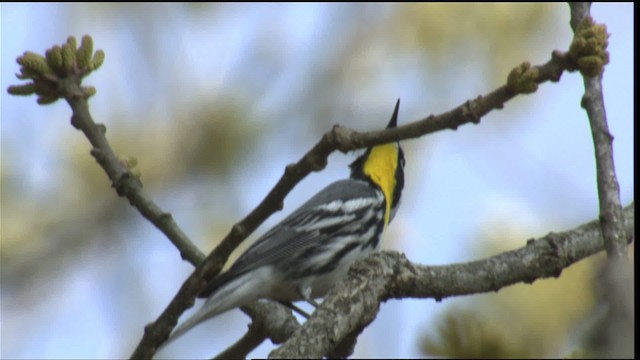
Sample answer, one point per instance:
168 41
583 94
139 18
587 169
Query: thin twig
611 219
269 321
121 178
254 336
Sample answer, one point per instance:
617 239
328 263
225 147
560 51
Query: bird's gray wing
293 235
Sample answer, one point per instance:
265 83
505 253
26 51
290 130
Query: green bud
22 90
590 66
588 49
47 99
522 79
26 57
54 58
88 91
98 59
71 41
85 51
35 63
68 58
128 161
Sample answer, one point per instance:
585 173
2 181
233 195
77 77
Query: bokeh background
214 100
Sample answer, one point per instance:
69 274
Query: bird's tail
207 311
237 292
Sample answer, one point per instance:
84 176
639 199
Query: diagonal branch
125 183
270 320
354 302
254 336
611 220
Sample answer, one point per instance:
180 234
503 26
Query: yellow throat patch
380 166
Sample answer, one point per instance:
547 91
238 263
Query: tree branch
611 220
354 302
269 320
126 184
254 336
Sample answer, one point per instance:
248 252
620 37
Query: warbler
304 255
